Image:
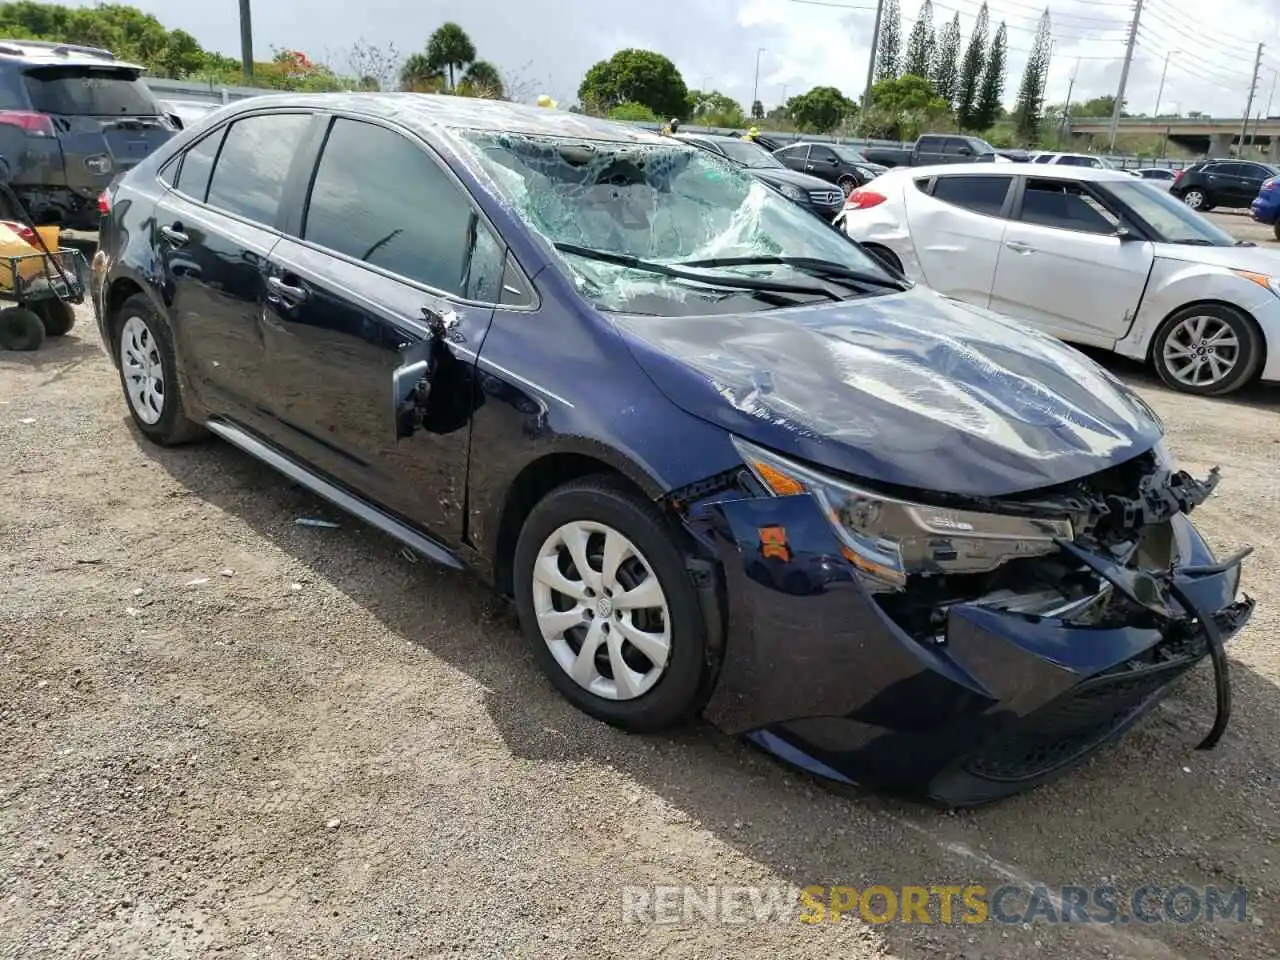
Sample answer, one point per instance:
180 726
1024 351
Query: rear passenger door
213 231
794 157
956 223
385 240
823 163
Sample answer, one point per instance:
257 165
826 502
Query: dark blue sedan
723 461
1266 206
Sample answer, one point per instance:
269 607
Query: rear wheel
607 605
57 315
1209 349
1276 228
149 374
1197 199
20 329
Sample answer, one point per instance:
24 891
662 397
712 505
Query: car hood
1257 259
911 389
776 175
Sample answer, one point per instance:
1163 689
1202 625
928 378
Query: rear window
89 91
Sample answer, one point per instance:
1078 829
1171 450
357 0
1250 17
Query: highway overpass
1212 136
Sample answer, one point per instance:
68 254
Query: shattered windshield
663 208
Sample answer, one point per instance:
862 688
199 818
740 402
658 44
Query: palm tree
450 49
419 76
484 80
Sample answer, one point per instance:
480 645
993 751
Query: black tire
1276 229
676 695
1248 358
57 315
885 256
848 184
173 426
20 329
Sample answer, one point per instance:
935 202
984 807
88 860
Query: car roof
710 137
437 114
47 53
1039 171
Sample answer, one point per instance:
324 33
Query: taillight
861 198
1269 185
1179 176
104 203
35 124
22 230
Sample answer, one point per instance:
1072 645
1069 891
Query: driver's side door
1063 267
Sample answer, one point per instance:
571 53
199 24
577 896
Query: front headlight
792 192
888 539
1261 279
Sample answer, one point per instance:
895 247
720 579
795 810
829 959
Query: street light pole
1124 74
1160 91
1248 104
755 89
246 40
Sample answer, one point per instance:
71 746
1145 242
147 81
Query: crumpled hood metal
912 389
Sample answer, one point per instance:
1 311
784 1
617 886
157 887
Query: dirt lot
222 733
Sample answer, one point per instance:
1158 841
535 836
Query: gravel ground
225 734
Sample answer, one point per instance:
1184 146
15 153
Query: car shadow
59 355
804 830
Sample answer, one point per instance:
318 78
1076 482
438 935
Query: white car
1091 256
1159 177
1073 160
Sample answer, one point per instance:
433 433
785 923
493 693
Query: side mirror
175 120
964 152
1125 235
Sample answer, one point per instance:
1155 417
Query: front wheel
1276 229
847 184
1210 349
607 606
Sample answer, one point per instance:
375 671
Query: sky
547 45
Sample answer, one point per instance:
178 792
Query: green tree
637 76
449 49
820 110
919 57
757 110
946 62
633 111
482 80
714 109
1029 109
1097 107
971 67
419 76
890 41
902 106
991 91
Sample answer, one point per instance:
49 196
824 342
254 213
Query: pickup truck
935 148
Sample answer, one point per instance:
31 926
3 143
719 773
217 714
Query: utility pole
755 89
246 40
1124 74
1066 107
1266 113
871 64
1160 91
1248 104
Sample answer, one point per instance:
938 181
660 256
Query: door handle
286 293
1017 246
174 235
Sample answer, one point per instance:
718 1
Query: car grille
1087 716
825 198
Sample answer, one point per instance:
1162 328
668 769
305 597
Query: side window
928 144
379 198
485 266
254 164
953 146
13 95
819 154
1254 172
1067 206
1223 169
1045 158
980 194
197 165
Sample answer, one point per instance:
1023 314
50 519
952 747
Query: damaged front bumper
991 702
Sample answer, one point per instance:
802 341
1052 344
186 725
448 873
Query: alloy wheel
143 370
1193 199
1201 351
601 610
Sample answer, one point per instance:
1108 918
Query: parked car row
723 459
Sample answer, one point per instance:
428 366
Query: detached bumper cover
816 672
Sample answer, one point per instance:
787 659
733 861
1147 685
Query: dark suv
72 118
722 460
1221 183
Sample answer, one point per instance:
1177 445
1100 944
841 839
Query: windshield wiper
1196 242
813 265
719 280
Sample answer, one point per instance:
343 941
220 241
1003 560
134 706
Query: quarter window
379 198
1067 206
980 194
254 164
197 165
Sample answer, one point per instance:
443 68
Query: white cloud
551 43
